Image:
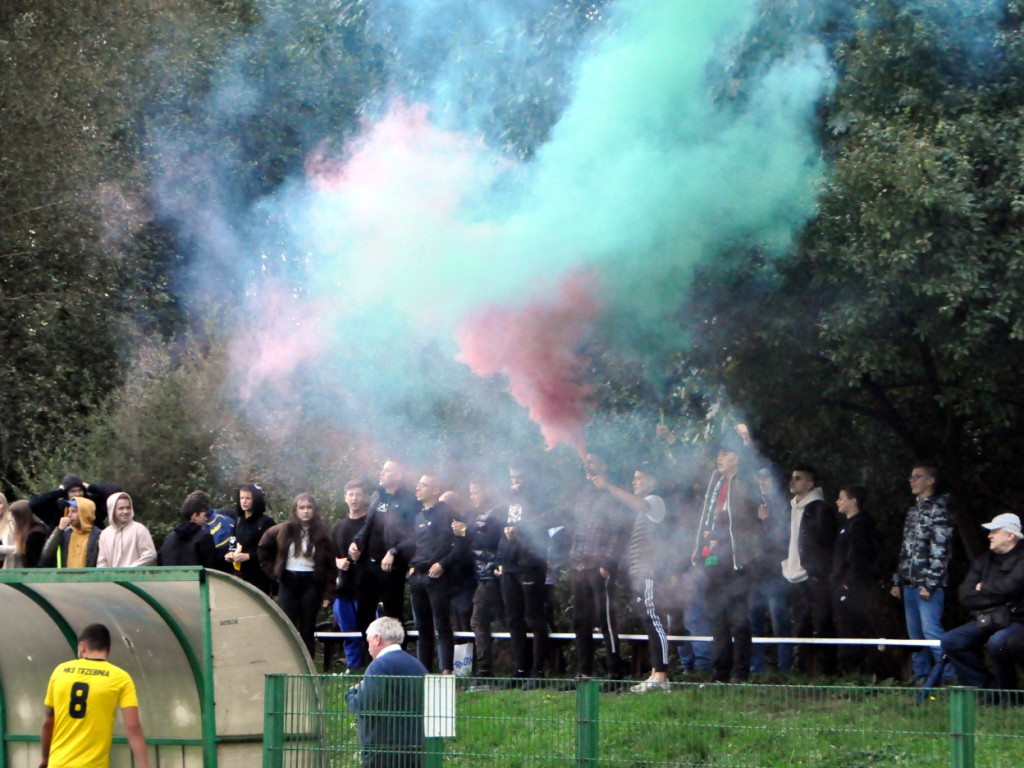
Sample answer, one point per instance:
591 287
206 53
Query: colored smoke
425 229
536 349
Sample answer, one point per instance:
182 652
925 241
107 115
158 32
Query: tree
895 326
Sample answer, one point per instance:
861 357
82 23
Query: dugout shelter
197 643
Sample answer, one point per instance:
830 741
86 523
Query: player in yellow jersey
81 702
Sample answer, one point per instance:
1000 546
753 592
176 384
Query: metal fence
563 724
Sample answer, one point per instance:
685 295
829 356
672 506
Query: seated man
994 593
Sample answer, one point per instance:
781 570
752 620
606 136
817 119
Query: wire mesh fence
549 723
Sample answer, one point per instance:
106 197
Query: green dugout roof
197 643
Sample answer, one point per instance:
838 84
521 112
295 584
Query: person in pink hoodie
125 543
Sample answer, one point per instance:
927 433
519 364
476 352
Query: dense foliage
891 330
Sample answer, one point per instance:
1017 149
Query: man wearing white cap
994 594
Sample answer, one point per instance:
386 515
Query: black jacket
189 544
855 562
819 526
45 506
248 532
436 542
485 537
527 551
389 525
1001 580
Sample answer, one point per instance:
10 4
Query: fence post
433 753
961 712
273 721
587 697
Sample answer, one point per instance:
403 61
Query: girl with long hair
28 535
300 557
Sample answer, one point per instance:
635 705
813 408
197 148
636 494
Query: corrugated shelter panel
31 646
23 756
248 755
175 756
250 638
142 645
165 638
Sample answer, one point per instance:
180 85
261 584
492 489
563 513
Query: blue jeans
345 613
924 622
695 655
770 595
962 644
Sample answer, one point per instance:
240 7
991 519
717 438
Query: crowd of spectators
730 557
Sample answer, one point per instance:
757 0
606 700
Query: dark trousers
300 598
462 605
812 617
523 596
593 604
653 617
432 609
963 646
487 606
377 586
851 609
729 617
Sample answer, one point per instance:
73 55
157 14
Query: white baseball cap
1006 520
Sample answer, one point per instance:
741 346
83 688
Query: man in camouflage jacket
923 567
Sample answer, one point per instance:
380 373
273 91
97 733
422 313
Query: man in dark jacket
522 560
385 545
601 526
808 565
484 538
438 553
190 543
349 572
389 700
728 543
48 508
994 594
856 581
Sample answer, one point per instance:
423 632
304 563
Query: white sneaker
651 685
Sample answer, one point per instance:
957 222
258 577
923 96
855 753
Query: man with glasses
923 568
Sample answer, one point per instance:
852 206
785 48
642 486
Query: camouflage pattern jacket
927 545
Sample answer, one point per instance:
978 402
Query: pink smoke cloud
287 332
536 349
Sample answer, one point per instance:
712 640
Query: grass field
705 725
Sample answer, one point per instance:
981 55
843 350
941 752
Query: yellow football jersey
84 696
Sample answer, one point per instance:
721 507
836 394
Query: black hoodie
189 544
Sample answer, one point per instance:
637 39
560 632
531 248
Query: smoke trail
427 227
536 349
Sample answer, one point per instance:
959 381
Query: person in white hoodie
125 543
814 524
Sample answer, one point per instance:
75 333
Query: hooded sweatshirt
78 542
77 545
126 545
812 538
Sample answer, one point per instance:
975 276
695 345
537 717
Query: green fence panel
555 723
